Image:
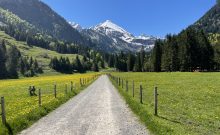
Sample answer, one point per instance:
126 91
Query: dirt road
98 110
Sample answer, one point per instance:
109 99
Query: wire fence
132 86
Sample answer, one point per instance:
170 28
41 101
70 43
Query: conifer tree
95 67
102 63
111 61
130 62
137 66
142 58
3 71
78 65
156 56
22 66
12 62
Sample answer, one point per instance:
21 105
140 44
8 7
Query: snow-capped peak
76 26
109 24
111 29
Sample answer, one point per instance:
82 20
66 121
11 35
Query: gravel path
98 110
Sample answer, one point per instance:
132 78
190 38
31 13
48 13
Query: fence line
82 82
121 82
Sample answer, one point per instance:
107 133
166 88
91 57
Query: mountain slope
42 17
210 22
76 26
43 56
8 19
113 38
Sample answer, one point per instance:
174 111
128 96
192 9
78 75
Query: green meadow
189 103
22 110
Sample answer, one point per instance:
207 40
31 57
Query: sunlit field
22 109
189 103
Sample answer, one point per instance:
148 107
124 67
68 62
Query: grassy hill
42 55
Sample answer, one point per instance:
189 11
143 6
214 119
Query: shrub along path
99 109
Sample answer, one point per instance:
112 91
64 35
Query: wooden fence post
71 88
119 83
155 101
122 83
39 96
80 82
55 90
66 89
127 85
3 111
141 94
133 88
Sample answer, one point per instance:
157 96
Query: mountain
76 26
106 36
111 37
210 22
44 18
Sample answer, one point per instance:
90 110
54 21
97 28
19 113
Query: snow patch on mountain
145 37
76 26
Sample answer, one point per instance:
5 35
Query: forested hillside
210 21
42 17
37 60
21 30
12 63
31 44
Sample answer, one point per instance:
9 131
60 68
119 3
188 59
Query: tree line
128 61
188 51
21 30
92 61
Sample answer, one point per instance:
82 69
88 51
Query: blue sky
152 17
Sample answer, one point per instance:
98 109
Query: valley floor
98 110
188 103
